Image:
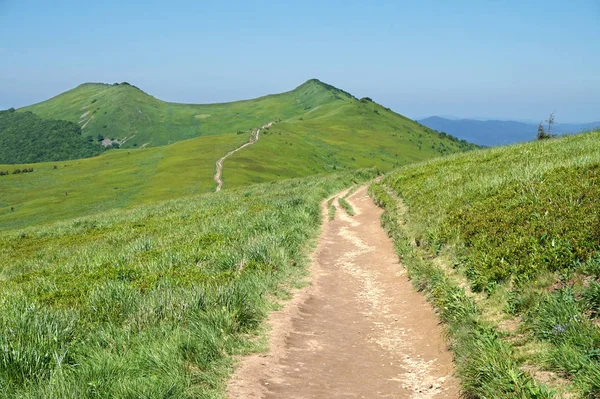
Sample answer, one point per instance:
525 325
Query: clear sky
485 58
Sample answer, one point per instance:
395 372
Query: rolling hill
125 113
320 129
498 132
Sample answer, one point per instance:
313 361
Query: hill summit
122 112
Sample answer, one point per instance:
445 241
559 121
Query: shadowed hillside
25 137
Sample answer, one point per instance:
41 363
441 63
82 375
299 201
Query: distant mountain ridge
497 132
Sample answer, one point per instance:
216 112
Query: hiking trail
359 330
253 139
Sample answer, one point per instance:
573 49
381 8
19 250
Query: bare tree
546 133
550 122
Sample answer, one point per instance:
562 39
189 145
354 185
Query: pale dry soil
219 164
359 330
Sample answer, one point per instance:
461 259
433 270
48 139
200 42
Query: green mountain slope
520 226
124 112
25 137
358 134
321 130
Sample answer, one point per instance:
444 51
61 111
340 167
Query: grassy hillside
322 130
509 239
117 179
25 137
357 134
152 302
126 113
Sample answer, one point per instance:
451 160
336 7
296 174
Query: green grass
358 134
331 209
346 205
485 364
520 225
124 111
114 180
323 130
152 302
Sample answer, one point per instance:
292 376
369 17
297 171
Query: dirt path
253 139
358 331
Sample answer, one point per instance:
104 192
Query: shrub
27 138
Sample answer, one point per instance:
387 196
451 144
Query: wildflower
558 329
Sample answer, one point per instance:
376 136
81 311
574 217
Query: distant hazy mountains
492 133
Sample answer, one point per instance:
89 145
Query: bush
27 138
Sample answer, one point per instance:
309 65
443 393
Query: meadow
153 301
115 180
326 130
505 242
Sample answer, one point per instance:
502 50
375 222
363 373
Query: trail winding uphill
253 139
359 330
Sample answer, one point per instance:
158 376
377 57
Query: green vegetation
114 180
518 227
27 138
125 112
346 205
338 132
331 209
355 135
135 118
484 362
152 302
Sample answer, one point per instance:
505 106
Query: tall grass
485 364
520 224
154 301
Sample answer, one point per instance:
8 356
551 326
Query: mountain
496 132
27 138
319 129
134 118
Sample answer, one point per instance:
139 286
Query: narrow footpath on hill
253 139
359 330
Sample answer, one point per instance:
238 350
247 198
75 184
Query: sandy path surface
253 139
358 331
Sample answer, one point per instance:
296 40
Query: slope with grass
509 239
125 113
117 179
25 137
357 134
152 302
322 130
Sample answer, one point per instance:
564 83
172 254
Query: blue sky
487 59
